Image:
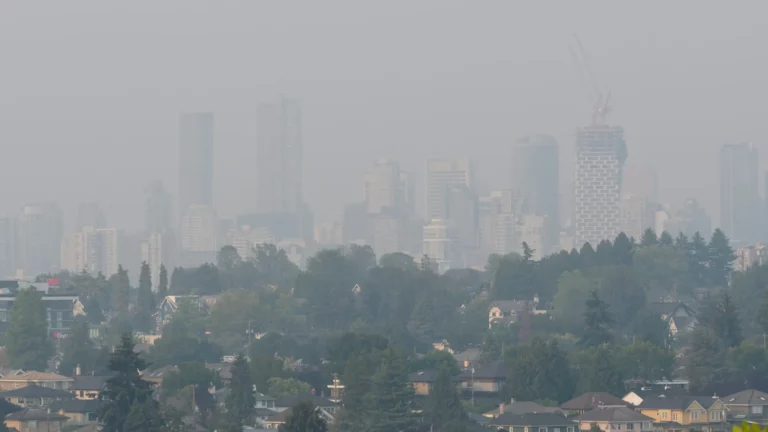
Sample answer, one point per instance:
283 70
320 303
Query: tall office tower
384 191
532 233
536 180
279 157
600 155
739 199
438 244
637 215
441 175
94 250
640 182
246 239
689 219
90 214
39 230
387 233
198 229
7 247
155 251
461 213
158 208
195 160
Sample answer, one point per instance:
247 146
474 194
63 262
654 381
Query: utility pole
250 336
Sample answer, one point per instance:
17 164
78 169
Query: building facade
39 230
198 229
195 160
94 250
158 209
739 199
441 176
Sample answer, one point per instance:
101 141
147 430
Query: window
555 429
664 415
674 416
618 426
93 416
757 409
542 429
570 428
694 415
630 426
714 415
32 424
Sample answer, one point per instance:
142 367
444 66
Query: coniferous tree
649 238
241 400
125 389
598 319
27 343
540 371
121 289
144 417
304 417
681 242
162 286
665 239
604 253
607 375
145 301
622 250
721 257
698 253
389 401
444 412
723 318
357 383
705 361
527 252
587 256
79 350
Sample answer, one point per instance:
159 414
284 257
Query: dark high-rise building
39 231
195 160
739 198
158 208
536 181
279 157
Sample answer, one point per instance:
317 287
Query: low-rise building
487 379
685 413
615 419
748 405
522 407
34 396
43 379
78 411
590 401
87 387
534 422
35 420
422 381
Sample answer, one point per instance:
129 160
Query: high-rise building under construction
600 155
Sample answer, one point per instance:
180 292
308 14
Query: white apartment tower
438 244
383 187
600 155
442 175
94 250
153 252
198 229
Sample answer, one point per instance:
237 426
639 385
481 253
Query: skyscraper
158 208
38 242
7 247
279 157
739 199
441 176
92 249
383 187
195 160
600 155
536 181
90 214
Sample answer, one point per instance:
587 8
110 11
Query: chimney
77 370
501 408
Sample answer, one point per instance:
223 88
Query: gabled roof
36 376
317 401
426 376
620 414
77 406
747 397
510 305
486 371
89 382
676 402
29 414
532 419
35 391
524 407
470 355
593 400
159 374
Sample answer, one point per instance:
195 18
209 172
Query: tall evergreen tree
144 417
604 253
304 417
79 350
598 319
121 289
721 257
145 301
389 402
125 389
622 250
587 256
649 238
607 375
665 239
444 412
162 285
241 400
705 361
723 318
698 253
540 371
527 252
357 384
681 242
27 343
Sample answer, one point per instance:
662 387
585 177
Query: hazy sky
90 91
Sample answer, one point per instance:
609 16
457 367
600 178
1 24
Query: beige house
78 411
615 419
43 379
88 387
488 379
422 381
685 413
35 420
34 396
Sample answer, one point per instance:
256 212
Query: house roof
35 391
6 371
676 402
524 407
531 419
28 414
470 354
592 400
36 376
263 412
77 406
263 397
510 305
486 371
159 374
317 401
224 370
747 397
427 376
616 414
89 382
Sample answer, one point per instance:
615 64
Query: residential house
88 387
223 370
284 403
488 379
533 422
678 316
34 396
748 405
61 311
35 420
422 381
43 379
504 312
156 376
590 401
636 397
522 407
78 411
170 304
685 413
468 357
264 401
274 421
615 419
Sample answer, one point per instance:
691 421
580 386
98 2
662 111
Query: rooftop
531 419
676 402
524 407
317 401
747 397
89 382
36 391
616 414
29 414
77 406
592 400
36 376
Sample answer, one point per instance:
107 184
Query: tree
144 417
662 271
527 252
705 361
604 253
398 260
162 285
79 350
304 417
125 389
698 255
121 289
282 387
587 256
723 319
27 343
178 346
190 373
227 258
145 301
274 266
598 370
665 239
444 411
357 384
646 361
389 401
649 327
649 238
93 311
437 360
540 371
598 319
241 400
622 250
573 291
721 257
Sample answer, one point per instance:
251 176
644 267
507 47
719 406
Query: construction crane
597 98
